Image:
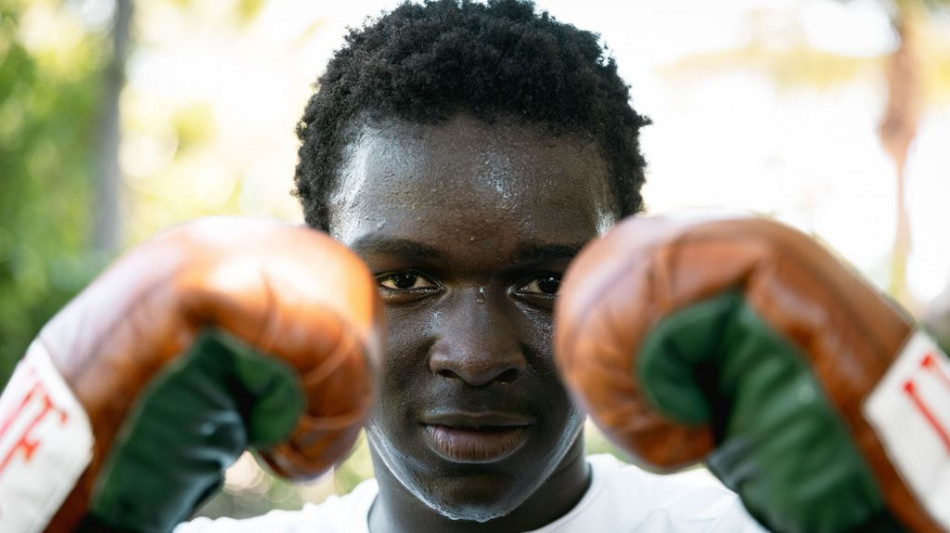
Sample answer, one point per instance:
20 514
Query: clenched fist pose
212 337
742 342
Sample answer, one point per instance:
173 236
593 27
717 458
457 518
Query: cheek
539 322
537 329
545 370
406 340
400 383
565 418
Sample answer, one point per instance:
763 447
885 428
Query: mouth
475 437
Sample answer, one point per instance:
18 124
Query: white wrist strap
910 410
45 443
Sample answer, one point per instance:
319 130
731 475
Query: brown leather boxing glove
214 336
742 342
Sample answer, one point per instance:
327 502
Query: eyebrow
536 252
528 252
379 244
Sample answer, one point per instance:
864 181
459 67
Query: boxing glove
743 343
936 319
214 336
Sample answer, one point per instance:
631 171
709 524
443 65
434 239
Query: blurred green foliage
48 95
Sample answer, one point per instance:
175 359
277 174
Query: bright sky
734 138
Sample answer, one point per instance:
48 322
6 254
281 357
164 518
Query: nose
477 341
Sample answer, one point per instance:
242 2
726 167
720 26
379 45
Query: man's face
468 227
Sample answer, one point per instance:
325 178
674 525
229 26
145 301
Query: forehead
466 179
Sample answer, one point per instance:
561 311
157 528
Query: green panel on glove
780 443
194 420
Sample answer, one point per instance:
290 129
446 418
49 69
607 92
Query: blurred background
121 117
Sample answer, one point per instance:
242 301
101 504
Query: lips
483 437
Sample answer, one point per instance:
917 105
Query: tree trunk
897 131
107 229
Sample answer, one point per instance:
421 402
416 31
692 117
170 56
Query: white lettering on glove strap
910 410
45 443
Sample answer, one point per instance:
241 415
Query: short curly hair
424 63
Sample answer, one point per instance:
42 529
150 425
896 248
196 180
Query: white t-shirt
622 498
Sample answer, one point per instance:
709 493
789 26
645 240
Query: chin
474 497
472 515
471 510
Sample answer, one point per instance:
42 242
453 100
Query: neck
396 510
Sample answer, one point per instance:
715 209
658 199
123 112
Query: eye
546 285
404 281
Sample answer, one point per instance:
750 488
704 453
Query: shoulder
694 489
624 497
339 514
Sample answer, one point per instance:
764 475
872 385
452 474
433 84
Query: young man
467 152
